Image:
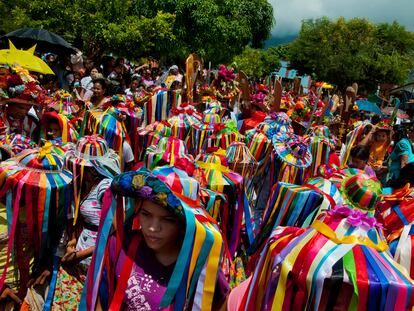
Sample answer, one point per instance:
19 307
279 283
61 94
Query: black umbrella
46 41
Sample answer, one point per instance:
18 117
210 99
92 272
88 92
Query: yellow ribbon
221 152
212 265
213 166
46 151
350 239
200 236
286 268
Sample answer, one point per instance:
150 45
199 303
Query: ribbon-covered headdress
37 192
195 272
90 151
340 261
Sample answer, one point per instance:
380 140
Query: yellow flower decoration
46 152
138 181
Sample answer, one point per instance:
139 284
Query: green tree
96 26
257 63
215 29
342 52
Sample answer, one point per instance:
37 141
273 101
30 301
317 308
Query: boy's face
54 130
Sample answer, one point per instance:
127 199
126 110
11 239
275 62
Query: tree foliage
215 29
258 63
342 52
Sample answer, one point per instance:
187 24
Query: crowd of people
147 188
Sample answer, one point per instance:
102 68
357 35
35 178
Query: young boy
359 159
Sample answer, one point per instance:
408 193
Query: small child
359 159
54 131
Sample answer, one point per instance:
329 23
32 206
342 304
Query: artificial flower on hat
20 87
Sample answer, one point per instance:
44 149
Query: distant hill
274 40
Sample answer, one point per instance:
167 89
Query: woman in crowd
158 239
99 89
402 155
87 83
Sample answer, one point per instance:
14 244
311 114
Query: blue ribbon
51 292
397 210
377 292
248 219
98 253
183 256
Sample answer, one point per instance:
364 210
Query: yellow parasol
24 58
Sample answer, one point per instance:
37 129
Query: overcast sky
290 13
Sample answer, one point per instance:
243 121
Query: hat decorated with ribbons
323 132
195 272
20 87
220 178
37 192
240 159
200 132
179 181
170 151
90 151
16 143
63 103
341 261
319 147
182 120
292 149
289 159
223 136
150 135
258 143
160 105
395 212
288 205
358 190
112 127
280 121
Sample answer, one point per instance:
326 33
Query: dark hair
101 82
88 73
375 119
360 152
174 85
53 121
399 133
136 78
114 88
